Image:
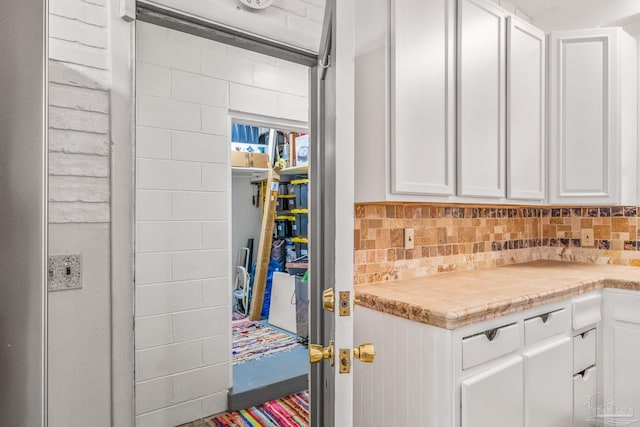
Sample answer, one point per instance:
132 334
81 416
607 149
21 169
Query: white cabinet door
585 397
526 102
494 398
548 384
581 141
481 99
592 117
626 368
422 96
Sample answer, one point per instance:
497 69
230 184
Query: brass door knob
328 299
365 353
317 353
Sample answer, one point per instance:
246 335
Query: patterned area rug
290 411
253 340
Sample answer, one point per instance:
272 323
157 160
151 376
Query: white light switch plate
64 272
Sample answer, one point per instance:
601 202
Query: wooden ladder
266 239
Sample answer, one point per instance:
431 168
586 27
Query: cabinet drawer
584 397
584 350
487 345
586 312
545 326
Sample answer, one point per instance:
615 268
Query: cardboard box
240 159
243 159
302 150
259 160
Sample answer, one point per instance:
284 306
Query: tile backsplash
463 237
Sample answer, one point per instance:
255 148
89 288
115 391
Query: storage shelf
240 171
296 170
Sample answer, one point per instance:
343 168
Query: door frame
123 171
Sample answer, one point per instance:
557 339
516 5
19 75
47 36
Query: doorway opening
201 106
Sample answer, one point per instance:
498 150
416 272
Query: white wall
247 219
79 162
296 22
186 88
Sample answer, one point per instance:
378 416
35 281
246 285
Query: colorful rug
253 340
290 411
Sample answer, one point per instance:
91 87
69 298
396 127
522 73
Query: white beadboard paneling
81 11
199 147
281 79
78 75
153 394
154 46
152 205
153 143
79 98
85 121
152 331
168 175
168 236
216 349
253 100
200 265
166 360
216 291
199 206
61 27
215 120
168 297
293 107
200 382
217 63
199 89
153 268
153 80
78 165
168 113
215 177
68 141
75 53
78 212
215 235
78 189
190 325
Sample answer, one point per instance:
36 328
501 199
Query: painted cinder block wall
188 91
80 154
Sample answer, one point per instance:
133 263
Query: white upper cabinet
526 111
481 99
593 116
438 117
422 96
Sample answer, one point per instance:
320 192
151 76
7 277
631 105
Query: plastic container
301 189
284 226
301 249
301 228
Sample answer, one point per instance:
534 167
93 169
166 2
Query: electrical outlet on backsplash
464 237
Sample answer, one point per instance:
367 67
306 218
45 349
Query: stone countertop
453 300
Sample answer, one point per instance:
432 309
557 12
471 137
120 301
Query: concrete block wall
188 90
79 193
296 22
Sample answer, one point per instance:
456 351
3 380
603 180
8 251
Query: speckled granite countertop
452 300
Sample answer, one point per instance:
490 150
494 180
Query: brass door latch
317 353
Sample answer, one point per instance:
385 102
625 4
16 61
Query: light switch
64 272
408 238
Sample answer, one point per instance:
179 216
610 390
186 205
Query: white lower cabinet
548 384
494 398
568 372
585 398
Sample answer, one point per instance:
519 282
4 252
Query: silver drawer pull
491 334
545 317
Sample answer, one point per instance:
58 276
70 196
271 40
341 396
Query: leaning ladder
264 247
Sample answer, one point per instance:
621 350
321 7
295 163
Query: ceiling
551 15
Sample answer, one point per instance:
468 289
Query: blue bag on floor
274 266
